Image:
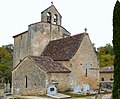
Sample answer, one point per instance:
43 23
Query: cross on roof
85 30
51 3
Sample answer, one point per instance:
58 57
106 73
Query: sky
95 15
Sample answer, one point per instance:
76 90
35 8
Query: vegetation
6 62
105 55
116 46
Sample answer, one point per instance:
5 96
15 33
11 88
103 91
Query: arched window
55 18
25 81
49 17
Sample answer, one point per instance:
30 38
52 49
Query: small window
49 17
86 73
102 79
111 79
55 18
25 81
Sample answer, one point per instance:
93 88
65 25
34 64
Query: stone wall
86 61
106 76
36 39
84 65
21 44
60 80
27 78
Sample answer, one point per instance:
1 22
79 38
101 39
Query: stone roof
63 49
108 69
48 65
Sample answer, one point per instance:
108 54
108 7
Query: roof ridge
69 37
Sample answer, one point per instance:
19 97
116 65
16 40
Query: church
46 54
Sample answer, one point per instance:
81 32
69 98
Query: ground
101 96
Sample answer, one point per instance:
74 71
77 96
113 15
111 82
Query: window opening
111 79
55 19
25 81
102 79
86 73
49 17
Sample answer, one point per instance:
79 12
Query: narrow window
55 19
25 81
49 17
86 73
102 79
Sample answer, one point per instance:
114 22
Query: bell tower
51 15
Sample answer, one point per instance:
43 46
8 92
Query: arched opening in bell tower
55 19
49 17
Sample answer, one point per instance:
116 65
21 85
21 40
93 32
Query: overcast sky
95 15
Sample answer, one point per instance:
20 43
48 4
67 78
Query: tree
105 55
116 49
6 62
109 49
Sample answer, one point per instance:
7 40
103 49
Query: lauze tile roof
48 65
63 49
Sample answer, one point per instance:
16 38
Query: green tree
109 49
6 62
105 55
116 48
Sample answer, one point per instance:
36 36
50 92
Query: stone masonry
46 55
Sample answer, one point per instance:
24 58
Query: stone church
46 54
